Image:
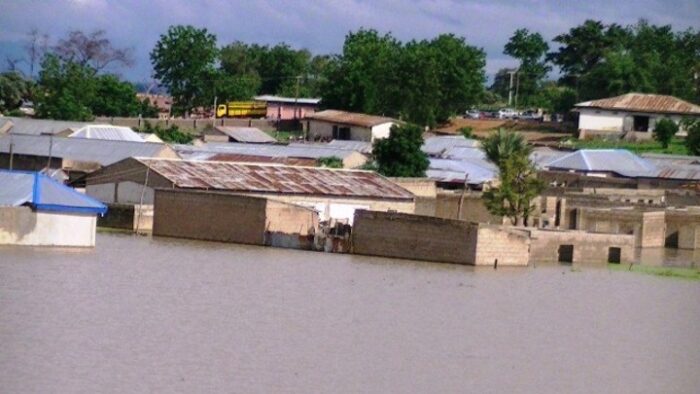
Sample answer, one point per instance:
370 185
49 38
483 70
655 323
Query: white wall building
631 113
341 125
35 210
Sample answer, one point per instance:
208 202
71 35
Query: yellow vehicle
242 109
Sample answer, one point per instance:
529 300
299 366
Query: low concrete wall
22 226
473 207
190 125
413 237
502 244
545 246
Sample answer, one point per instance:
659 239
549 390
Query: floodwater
141 315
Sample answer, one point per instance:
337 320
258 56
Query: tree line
599 60
420 81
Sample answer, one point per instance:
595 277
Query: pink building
287 108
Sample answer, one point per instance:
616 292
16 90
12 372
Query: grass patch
676 147
671 272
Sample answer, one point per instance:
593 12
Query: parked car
507 113
530 115
473 114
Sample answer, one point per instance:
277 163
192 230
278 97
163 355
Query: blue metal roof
619 161
44 194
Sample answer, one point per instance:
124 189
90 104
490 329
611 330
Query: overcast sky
321 26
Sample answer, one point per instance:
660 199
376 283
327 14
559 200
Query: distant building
107 132
36 210
39 126
341 125
75 156
162 102
295 154
286 108
333 193
247 135
631 113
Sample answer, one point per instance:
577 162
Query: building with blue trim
37 210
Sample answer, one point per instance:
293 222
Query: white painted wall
22 226
613 121
381 130
103 192
603 121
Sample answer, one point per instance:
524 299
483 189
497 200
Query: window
566 253
614 255
640 123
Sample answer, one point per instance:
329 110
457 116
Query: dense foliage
183 61
518 184
400 154
424 82
692 141
13 89
664 131
170 134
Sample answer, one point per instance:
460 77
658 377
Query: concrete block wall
414 237
507 245
23 226
473 208
209 216
588 247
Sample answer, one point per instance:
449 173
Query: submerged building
38 211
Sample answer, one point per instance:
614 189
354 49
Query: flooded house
334 194
35 210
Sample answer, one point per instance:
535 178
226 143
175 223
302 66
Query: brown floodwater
138 315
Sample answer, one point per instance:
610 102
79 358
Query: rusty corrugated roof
350 118
241 158
278 179
640 102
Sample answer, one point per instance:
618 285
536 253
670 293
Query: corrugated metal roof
350 118
39 126
617 161
259 178
234 157
455 171
437 146
107 132
359 146
542 155
103 152
640 102
309 151
246 134
288 100
44 194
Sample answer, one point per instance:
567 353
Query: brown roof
241 158
640 102
276 179
349 118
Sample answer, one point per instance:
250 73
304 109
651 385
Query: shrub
692 141
664 131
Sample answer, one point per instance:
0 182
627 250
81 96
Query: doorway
640 123
566 253
614 255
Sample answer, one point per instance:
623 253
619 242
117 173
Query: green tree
183 60
501 83
502 144
170 134
530 49
13 89
518 187
692 140
66 90
114 97
400 154
664 131
331 162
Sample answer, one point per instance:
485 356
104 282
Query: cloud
321 26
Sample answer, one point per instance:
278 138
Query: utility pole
48 166
296 96
12 145
517 87
510 88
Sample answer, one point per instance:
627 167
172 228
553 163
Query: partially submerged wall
579 247
413 237
502 245
233 218
128 217
22 226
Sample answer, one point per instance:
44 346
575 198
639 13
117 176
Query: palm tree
503 144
